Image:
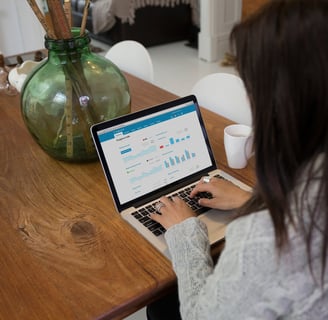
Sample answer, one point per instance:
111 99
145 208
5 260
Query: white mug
238 143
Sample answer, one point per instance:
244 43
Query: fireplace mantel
217 17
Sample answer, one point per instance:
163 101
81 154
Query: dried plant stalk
59 21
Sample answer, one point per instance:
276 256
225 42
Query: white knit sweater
250 281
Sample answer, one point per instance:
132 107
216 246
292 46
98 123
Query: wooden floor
250 6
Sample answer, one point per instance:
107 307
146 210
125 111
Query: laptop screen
147 151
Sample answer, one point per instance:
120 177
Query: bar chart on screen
179 159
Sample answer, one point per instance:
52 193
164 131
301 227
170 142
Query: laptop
162 150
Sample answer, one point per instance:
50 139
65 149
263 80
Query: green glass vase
67 93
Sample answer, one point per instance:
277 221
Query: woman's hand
172 212
225 195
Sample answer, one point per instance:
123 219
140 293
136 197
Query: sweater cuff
187 236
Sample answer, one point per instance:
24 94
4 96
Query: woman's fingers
172 212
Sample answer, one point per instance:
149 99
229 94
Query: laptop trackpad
216 222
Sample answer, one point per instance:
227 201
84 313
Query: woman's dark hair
282 56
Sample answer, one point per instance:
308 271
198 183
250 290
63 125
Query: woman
274 265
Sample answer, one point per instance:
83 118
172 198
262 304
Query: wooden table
65 252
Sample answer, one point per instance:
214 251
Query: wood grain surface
65 251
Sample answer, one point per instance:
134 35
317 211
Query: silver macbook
162 150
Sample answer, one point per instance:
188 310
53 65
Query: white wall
20 30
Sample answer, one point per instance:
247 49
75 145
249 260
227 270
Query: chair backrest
131 56
224 94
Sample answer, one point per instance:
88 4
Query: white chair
132 57
225 94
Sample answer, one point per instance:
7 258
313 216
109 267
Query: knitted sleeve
238 283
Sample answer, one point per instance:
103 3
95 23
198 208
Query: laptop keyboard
142 215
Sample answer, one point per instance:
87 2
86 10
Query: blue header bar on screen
108 135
